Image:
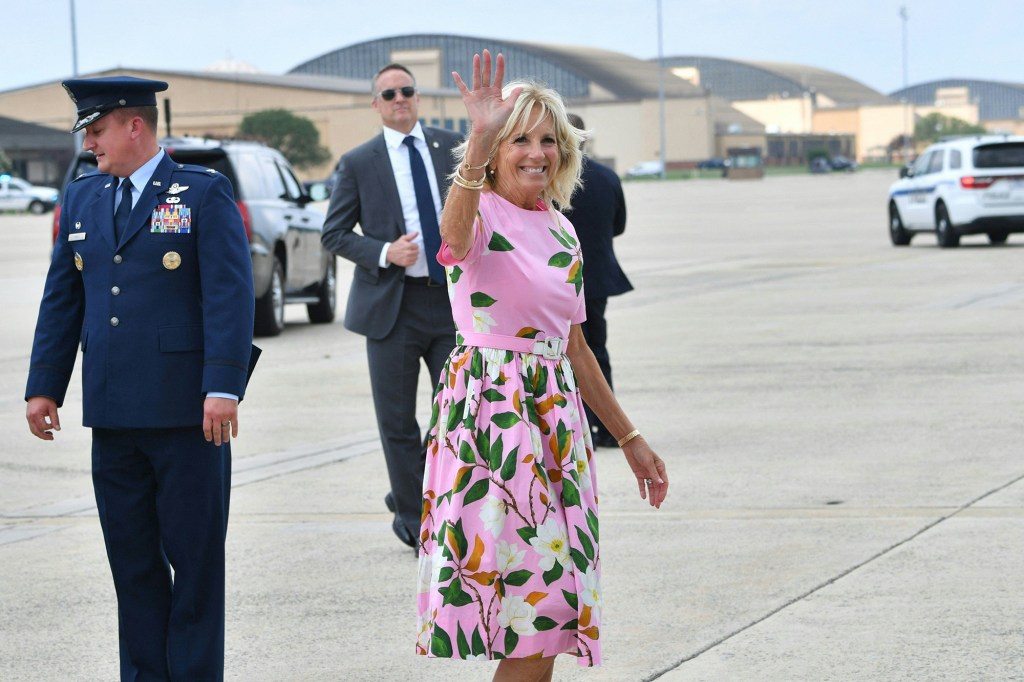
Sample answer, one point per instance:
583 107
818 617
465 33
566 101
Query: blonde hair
566 178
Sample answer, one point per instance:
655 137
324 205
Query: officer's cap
97 97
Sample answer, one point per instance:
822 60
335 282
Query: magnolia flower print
509 557
552 544
518 615
492 514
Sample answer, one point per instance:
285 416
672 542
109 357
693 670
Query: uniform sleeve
228 298
59 325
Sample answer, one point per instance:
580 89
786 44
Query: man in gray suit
393 187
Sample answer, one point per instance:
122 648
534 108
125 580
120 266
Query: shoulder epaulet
91 175
190 168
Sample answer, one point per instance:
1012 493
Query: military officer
151 276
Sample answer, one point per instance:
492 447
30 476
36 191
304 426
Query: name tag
76 237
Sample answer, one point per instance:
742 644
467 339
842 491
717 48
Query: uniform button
114 322
117 258
115 290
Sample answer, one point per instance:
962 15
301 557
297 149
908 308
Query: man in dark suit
151 275
599 214
393 187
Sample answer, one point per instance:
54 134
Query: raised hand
486 109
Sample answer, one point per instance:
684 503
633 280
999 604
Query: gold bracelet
628 437
466 183
466 166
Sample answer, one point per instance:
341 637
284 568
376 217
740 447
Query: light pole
906 104
661 100
76 138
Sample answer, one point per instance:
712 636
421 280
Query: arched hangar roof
575 72
735 79
995 100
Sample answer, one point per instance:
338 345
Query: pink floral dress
509 565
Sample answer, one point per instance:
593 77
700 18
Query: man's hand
220 419
41 414
403 251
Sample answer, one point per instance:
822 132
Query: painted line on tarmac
245 471
888 550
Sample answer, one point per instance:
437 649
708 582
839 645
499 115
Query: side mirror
905 172
318 191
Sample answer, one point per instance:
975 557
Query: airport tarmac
841 420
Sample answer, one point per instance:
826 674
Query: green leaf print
497 452
499 243
544 623
571 625
527 333
558 235
579 560
460 538
569 239
477 492
511 639
508 469
456 414
560 260
478 642
463 643
527 533
592 524
440 643
445 574
479 299
570 493
456 596
506 420
455 274
518 578
466 453
476 366
493 395
588 546
571 599
554 574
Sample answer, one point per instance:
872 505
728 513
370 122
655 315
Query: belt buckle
551 347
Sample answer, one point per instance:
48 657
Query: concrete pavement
841 420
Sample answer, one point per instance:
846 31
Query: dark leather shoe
403 533
389 502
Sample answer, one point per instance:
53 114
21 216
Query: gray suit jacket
366 194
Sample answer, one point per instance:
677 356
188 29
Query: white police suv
961 186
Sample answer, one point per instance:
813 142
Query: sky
860 39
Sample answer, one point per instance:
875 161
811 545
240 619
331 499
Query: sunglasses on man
407 92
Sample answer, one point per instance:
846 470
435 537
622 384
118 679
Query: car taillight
56 222
972 182
246 220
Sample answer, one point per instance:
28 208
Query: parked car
289 264
842 163
20 195
713 163
962 186
819 164
645 169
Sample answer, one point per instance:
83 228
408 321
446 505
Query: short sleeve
481 237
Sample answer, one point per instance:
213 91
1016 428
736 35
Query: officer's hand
220 419
403 251
41 414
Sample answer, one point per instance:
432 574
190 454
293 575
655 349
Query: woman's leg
525 670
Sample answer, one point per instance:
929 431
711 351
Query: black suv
289 265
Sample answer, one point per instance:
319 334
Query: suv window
955 159
294 189
1003 155
935 163
272 178
921 165
250 177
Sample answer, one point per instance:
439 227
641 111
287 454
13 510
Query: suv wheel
322 311
997 237
269 319
897 233
36 208
944 230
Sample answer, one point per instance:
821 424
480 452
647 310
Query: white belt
552 347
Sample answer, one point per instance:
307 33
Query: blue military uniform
163 315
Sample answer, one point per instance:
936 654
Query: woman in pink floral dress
510 560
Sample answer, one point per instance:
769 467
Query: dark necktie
124 209
428 215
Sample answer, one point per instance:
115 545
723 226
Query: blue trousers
162 496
